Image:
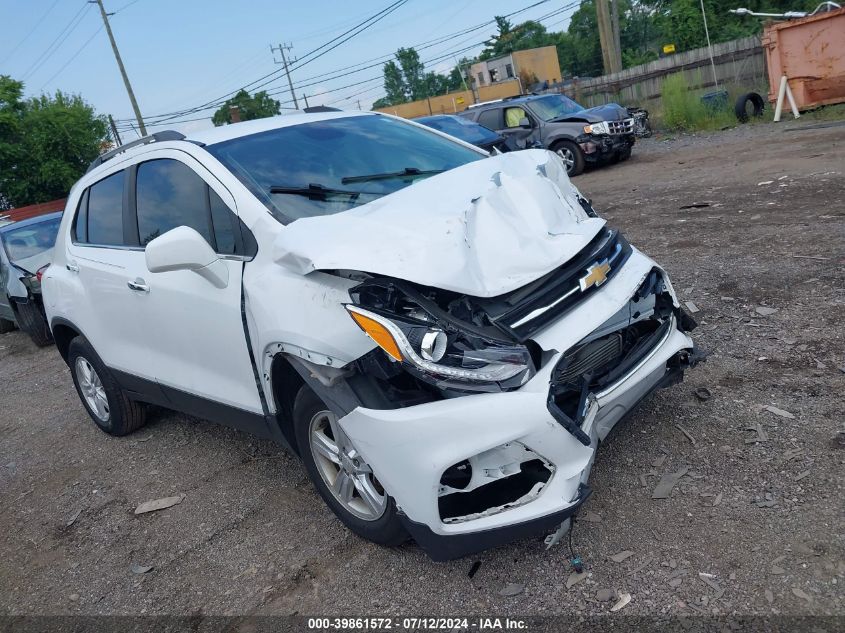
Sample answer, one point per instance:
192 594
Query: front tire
341 476
571 155
6 326
32 321
99 392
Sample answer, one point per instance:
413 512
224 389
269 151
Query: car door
102 257
519 137
496 119
198 352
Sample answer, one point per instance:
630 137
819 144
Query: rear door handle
72 267
139 285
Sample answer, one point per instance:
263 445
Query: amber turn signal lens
378 333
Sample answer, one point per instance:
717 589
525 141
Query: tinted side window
169 194
105 211
224 222
491 119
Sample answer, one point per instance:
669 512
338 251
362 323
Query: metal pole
709 47
460 68
122 69
305 98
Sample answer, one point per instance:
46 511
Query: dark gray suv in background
579 136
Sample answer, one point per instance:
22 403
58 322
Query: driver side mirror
183 248
525 123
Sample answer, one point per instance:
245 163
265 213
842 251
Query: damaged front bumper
602 148
475 471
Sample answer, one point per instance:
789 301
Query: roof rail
158 137
320 108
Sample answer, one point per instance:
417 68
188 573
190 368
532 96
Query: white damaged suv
442 336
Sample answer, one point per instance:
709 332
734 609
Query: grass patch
824 113
682 109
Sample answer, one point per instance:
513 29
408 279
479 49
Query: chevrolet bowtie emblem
596 275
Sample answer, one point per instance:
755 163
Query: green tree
394 84
257 106
405 79
46 144
413 74
511 38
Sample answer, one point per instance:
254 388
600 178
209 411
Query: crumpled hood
482 229
606 112
609 112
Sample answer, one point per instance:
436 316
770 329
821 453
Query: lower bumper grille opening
498 495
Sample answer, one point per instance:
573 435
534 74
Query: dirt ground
742 219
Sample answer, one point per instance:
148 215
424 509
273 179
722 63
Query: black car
467 131
578 135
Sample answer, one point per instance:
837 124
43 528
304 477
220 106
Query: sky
181 54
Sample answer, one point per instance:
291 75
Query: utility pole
611 55
120 66
281 48
359 104
614 25
114 131
305 99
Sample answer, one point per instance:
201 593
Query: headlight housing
597 128
445 357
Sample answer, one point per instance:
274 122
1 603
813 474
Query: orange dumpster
811 53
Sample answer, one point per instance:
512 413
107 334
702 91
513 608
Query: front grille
532 307
625 126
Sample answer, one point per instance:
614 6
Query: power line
443 55
57 43
71 58
176 116
353 31
31 31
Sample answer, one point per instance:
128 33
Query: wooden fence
738 62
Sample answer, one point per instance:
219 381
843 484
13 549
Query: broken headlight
445 356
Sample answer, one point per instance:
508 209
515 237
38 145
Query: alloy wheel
348 477
567 157
92 389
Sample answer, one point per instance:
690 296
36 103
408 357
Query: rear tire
571 155
384 528
6 326
32 321
102 397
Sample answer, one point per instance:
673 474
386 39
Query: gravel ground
745 219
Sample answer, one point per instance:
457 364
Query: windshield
461 128
552 107
30 240
329 166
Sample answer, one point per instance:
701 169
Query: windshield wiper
408 172
315 191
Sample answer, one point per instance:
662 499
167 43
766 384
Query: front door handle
139 285
72 267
